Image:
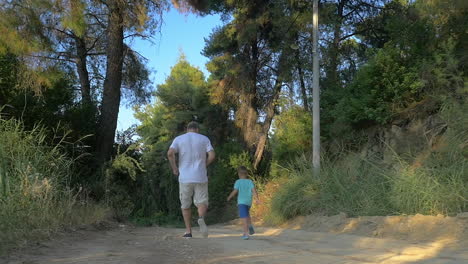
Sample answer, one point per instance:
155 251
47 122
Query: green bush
292 134
382 87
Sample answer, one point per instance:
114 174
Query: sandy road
269 245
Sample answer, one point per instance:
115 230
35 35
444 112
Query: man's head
193 127
242 172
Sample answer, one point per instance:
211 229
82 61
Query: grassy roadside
35 197
432 182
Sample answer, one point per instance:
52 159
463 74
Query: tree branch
51 58
70 34
353 34
136 35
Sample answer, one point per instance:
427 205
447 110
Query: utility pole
315 93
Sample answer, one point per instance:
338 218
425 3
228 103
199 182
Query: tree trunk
250 126
305 102
270 113
332 69
112 84
302 83
81 57
247 114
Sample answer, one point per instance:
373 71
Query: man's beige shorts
197 191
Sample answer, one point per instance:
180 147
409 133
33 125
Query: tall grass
433 182
437 180
350 185
35 198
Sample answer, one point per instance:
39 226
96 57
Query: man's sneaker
187 235
251 230
245 237
203 228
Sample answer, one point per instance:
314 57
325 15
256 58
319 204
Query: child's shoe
245 237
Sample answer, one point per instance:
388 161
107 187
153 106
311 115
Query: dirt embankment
415 228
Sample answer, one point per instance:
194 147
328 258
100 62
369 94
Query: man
195 154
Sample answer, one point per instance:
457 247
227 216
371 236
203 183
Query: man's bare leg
202 210
187 213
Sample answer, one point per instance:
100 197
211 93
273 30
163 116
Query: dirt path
272 246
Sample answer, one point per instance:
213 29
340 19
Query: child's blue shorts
243 210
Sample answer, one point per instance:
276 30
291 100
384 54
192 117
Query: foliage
48 32
292 134
432 182
35 195
381 88
119 176
409 57
55 109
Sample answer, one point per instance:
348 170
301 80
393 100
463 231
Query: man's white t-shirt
192 148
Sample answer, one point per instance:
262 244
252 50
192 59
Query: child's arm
254 191
233 193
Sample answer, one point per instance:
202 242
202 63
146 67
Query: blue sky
179 32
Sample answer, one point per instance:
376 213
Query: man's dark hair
193 126
242 169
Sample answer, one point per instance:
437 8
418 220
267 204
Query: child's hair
242 169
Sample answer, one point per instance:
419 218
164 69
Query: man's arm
234 192
211 157
172 160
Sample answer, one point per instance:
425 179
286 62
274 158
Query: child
244 188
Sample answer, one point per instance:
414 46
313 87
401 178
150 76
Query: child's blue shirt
244 188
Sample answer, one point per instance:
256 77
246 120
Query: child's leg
244 215
251 228
245 225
